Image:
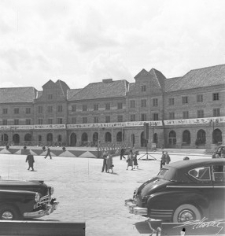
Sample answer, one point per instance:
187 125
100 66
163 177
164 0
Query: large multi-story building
186 111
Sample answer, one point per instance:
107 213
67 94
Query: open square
86 194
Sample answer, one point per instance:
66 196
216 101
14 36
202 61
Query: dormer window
143 88
50 96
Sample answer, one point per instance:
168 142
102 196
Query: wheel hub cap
186 215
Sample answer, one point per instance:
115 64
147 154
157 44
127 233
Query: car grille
160 214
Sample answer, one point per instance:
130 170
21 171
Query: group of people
107 162
165 159
132 160
30 159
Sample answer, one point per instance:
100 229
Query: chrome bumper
40 213
134 209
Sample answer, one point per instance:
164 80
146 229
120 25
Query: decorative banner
208 120
54 126
114 125
15 127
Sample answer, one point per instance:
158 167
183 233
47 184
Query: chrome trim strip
171 186
160 210
219 186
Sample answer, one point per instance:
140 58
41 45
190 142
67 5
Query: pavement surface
88 195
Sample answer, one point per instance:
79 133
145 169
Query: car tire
186 212
8 212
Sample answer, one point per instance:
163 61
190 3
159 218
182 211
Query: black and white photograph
112 117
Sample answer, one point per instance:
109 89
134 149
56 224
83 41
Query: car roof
189 163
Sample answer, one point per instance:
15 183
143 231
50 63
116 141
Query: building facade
182 112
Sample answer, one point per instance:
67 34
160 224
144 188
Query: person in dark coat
163 159
122 152
130 158
48 153
30 160
135 161
104 166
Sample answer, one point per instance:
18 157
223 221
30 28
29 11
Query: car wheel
186 212
8 212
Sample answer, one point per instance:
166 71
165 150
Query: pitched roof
198 78
107 89
72 92
63 86
17 95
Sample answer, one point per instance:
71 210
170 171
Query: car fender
172 200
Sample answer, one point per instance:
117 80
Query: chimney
107 80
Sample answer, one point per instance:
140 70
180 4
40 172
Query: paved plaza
88 195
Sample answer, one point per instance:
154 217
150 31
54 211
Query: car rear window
200 173
167 174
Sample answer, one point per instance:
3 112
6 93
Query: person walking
30 160
122 152
130 159
48 153
104 157
167 158
135 161
163 160
109 163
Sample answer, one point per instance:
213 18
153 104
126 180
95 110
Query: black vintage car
183 191
25 199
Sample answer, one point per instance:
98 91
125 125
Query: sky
86 41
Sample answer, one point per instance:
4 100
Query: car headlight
51 190
37 197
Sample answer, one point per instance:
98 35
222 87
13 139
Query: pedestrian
109 163
48 153
135 159
223 152
122 152
167 158
163 159
104 157
30 160
130 159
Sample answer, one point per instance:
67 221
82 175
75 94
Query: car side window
218 173
200 173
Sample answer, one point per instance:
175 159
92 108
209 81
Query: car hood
31 185
151 185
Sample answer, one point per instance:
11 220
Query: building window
132 103
155 116
107 119
200 98
143 103
74 107
120 118
185 114
155 102
84 107
40 109
59 108
215 96
5 110
171 101
184 100
50 121
143 117
95 119
119 105
16 122
28 121
95 107
74 120
50 96
84 120
4 122
59 120
143 88
171 115
28 110
40 121
132 117
200 113
107 106
16 110
216 112
49 109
